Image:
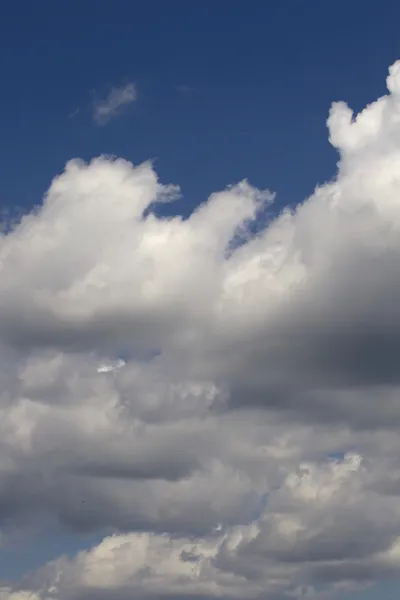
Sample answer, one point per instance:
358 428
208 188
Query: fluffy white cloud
109 107
226 404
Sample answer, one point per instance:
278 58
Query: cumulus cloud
221 405
110 107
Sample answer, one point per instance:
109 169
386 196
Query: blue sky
263 81
225 91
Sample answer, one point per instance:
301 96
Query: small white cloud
110 107
111 366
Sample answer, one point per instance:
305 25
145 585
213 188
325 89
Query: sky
199 300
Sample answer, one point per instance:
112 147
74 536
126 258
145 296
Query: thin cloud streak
110 107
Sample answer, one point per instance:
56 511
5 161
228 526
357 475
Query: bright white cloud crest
230 411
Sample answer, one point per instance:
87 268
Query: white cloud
110 107
111 366
249 446
319 528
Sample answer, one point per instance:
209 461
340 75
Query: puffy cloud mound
222 406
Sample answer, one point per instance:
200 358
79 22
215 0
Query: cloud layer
222 406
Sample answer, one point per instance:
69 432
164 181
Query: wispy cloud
110 107
186 90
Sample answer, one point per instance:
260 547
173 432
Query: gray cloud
247 445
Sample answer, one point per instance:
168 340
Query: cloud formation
110 107
222 406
